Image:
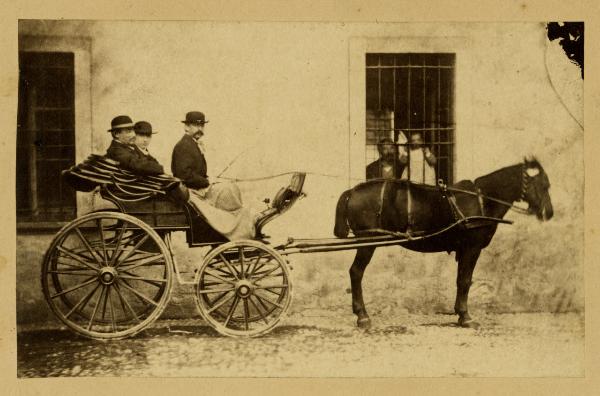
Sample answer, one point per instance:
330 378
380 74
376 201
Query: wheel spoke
125 302
208 291
206 272
246 314
268 273
140 242
82 303
143 262
262 303
77 257
258 267
112 310
88 246
270 286
258 310
101 232
241 255
144 279
272 292
106 287
70 272
69 290
215 307
269 301
95 310
234 272
118 248
69 264
236 300
254 264
140 295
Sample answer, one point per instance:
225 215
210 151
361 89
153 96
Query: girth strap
381 199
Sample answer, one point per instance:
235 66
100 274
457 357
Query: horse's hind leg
467 259
362 259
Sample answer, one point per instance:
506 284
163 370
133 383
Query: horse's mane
496 173
530 163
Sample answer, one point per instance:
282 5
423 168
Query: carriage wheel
243 288
107 275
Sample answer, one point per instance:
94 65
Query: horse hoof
363 323
469 324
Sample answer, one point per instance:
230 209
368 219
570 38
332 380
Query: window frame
465 66
81 47
436 124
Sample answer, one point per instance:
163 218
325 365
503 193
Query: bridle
524 186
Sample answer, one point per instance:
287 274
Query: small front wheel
243 288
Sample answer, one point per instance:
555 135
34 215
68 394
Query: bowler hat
120 122
143 128
195 117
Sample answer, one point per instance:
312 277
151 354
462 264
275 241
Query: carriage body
167 214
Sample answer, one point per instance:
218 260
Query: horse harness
448 193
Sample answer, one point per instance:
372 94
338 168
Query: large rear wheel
107 275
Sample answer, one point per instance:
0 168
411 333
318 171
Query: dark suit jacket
147 157
188 163
374 170
133 160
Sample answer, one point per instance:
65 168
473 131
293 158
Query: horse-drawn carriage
109 274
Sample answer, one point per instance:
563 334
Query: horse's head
535 189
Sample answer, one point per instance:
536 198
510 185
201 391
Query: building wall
290 96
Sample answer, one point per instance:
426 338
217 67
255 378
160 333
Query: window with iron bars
45 136
410 93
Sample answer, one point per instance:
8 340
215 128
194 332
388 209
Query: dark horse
396 206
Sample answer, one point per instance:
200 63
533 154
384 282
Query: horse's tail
341 228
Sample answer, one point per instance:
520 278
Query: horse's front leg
467 259
361 260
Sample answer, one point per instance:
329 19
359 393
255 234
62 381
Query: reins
510 205
500 201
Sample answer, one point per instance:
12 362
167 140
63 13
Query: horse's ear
528 158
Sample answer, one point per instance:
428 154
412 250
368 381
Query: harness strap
480 199
456 212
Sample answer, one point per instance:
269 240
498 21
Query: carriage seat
282 202
100 171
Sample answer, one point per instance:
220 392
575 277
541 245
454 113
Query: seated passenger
221 203
143 136
122 149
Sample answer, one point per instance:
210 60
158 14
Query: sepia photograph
299 199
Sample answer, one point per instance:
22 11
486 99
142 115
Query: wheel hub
244 288
108 275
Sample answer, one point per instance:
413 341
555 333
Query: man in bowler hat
220 203
122 149
143 136
188 162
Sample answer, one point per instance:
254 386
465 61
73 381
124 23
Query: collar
123 144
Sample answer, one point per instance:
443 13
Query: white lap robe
222 206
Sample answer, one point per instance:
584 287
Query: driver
220 203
